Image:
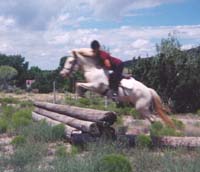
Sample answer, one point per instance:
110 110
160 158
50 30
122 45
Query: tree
168 47
17 62
173 73
34 72
7 73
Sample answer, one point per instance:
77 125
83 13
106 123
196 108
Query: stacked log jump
75 119
84 125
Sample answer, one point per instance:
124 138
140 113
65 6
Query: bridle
71 69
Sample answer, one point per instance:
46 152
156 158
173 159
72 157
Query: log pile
84 125
175 142
75 119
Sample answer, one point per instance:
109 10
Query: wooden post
105 102
54 91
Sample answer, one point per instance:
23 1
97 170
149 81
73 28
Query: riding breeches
116 77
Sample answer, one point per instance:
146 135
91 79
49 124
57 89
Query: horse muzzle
64 73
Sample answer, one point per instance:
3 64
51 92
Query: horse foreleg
81 88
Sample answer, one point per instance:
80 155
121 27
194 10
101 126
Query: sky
43 31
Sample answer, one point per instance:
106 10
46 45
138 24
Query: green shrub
84 101
8 111
61 151
3 126
74 150
21 118
158 129
128 110
119 120
155 129
58 131
198 112
18 141
26 104
9 100
19 91
179 124
144 141
114 163
38 132
30 153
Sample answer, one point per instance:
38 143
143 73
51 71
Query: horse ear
74 54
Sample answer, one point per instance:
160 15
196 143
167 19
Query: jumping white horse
130 90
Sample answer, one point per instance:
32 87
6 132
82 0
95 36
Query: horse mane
96 61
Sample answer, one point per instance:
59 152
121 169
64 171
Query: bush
21 118
26 104
58 132
84 101
114 163
8 111
3 126
198 112
144 141
38 131
179 124
19 91
18 141
30 153
157 129
74 150
8 100
128 110
61 151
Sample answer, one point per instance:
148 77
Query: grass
114 163
18 141
8 100
157 129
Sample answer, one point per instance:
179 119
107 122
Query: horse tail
159 109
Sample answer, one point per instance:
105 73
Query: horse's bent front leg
81 88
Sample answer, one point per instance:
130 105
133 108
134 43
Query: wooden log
171 141
99 116
68 130
85 126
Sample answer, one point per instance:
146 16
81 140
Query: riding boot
115 95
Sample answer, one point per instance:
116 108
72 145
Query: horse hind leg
143 108
148 115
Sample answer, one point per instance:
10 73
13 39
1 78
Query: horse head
70 66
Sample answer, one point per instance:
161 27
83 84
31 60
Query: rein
72 67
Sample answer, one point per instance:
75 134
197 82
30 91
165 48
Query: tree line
14 71
173 73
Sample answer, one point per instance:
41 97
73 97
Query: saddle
126 76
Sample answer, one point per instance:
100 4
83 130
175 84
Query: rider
111 63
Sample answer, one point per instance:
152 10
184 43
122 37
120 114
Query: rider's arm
86 52
107 63
106 59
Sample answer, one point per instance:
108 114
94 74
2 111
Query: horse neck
87 63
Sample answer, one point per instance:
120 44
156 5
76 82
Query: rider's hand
74 52
107 63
